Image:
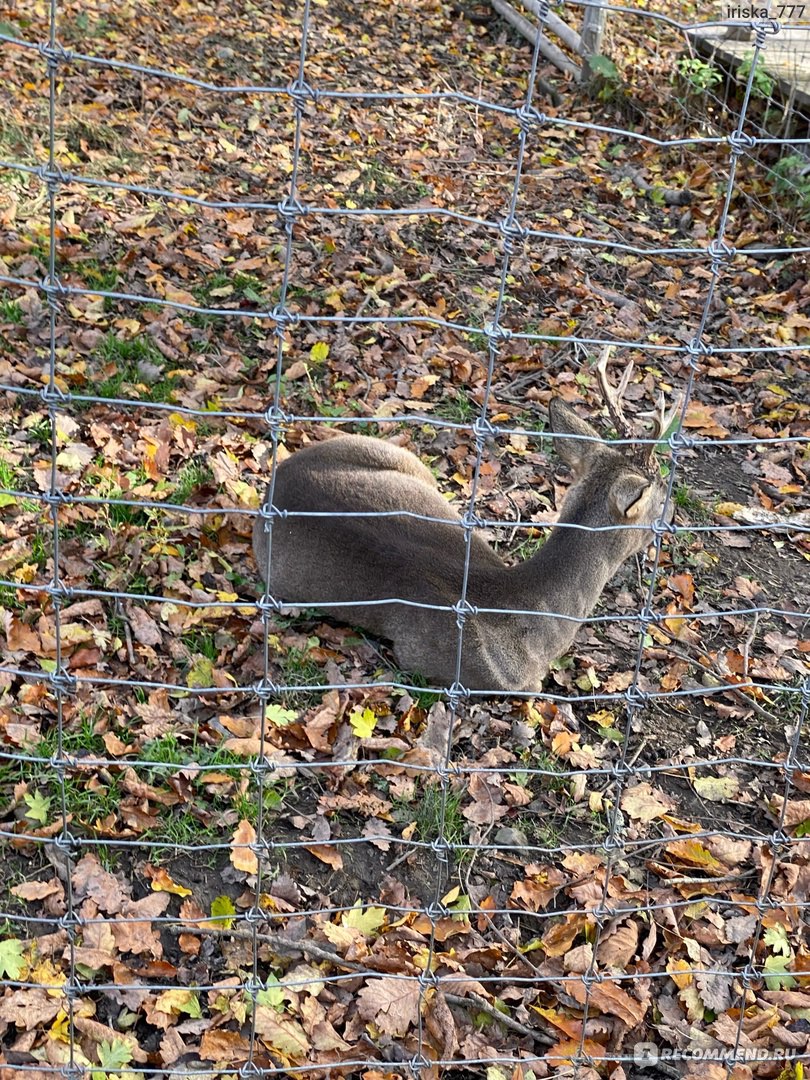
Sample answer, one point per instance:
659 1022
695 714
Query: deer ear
631 497
576 451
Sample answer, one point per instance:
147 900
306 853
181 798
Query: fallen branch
549 51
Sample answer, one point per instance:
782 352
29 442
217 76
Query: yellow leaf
319 352
163 882
60 1028
363 722
365 921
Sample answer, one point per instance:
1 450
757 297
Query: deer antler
612 396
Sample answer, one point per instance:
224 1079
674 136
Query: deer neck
567 576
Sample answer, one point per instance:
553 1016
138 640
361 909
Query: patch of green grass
426 810
201 642
8 475
529 546
10 310
456 407
194 475
96 275
692 505
127 354
297 668
10 600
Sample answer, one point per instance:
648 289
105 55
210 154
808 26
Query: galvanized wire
718 255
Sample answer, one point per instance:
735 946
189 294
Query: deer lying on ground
338 559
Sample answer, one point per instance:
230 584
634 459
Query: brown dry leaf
796 811
318 725
144 628
537 891
225 1046
134 931
38 890
645 803
559 938
327 854
392 1004
91 879
608 998
29 1007
488 805
20 637
618 947
242 856
441 1026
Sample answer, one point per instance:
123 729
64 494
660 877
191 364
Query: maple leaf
392 1004
363 722
11 958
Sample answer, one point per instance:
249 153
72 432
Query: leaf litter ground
157 787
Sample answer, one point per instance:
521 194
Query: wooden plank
785 56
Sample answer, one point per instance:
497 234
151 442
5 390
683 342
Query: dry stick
308 948
554 55
507 1021
691 656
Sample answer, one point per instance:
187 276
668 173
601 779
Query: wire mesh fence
396 970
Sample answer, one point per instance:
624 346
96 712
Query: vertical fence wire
634 700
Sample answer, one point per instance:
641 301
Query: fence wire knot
283 318
696 348
806 691
54 54
61 682
73 1070
300 92
417 1063
456 693
53 397
52 175
528 117
740 141
275 417
512 233
250 1070
496 335
288 211
427 980
719 249
265 689
635 697
462 609
678 440
483 429
54 290
268 605
437 910
765 28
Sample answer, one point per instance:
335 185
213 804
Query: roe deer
332 560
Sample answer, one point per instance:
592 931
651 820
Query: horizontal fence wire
262 925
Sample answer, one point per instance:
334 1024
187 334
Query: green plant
762 84
792 179
10 310
698 74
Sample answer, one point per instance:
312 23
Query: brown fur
401 558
